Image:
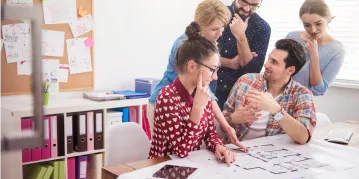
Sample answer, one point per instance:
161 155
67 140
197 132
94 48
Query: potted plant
46 92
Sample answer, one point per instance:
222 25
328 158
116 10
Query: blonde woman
212 16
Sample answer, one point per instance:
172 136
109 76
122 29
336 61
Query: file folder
90 131
26 124
125 115
80 131
69 133
35 152
98 129
54 146
81 167
133 114
61 135
46 149
71 173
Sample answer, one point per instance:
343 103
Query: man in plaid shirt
272 103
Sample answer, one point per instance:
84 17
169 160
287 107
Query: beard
238 9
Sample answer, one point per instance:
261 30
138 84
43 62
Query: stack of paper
102 96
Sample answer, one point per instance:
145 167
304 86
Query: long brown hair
318 7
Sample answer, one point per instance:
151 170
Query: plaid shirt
296 100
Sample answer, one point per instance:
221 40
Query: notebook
129 94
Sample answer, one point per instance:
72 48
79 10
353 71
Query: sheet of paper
24 67
82 25
59 11
63 73
19 2
273 157
50 70
2 43
53 43
79 56
17 42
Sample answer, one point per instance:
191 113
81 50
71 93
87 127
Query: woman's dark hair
296 54
195 47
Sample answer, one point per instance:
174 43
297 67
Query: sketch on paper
50 72
53 43
79 56
17 42
82 25
59 11
24 68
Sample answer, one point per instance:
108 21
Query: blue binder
129 94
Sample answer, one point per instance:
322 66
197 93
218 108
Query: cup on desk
46 98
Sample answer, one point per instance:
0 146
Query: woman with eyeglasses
212 16
183 113
325 55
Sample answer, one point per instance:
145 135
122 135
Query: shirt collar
286 90
182 91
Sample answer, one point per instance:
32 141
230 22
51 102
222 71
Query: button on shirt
258 34
296 100
174 132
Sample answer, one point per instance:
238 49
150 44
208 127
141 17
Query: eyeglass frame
246 3
213 70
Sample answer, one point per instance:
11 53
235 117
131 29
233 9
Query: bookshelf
12 113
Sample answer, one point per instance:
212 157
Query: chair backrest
125 142
322 119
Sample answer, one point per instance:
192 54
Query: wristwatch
279 115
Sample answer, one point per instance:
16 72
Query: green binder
62 170
49 171
55 173
36 171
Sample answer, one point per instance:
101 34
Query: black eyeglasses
213 70
252 6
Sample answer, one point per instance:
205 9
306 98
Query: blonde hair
208 10
318 7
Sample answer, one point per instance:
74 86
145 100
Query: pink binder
133 114
35 152
71 172
26 124
46 149
90 131
54 146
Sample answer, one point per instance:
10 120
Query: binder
35 171
62 170
90 131
69 133
95 164
54 127
98 129
80 131
46 149
55 173
81 167
129 94
61 135
71 173
133 114
35 152
48 172
125 115
26 124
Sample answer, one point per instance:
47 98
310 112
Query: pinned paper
82 12
79 56
50 71
24 67
82 25
2 43
53 43
63 73
19 2
17 42
59 11
89 42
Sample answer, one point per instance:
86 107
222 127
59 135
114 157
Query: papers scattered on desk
102 96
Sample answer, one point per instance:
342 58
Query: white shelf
76 154
45 160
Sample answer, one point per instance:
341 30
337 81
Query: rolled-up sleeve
304 112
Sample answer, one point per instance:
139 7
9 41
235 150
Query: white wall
133 39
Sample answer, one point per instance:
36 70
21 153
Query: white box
114 117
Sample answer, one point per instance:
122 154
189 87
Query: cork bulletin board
14 84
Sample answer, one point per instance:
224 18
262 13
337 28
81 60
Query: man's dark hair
296 55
